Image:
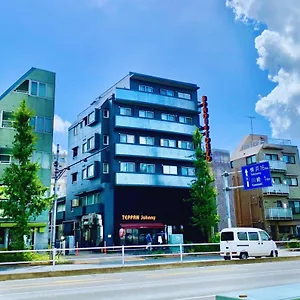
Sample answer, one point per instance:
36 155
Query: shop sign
138 218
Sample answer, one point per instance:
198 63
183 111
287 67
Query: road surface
169 284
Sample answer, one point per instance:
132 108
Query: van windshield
227 236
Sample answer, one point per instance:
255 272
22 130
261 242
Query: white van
242 242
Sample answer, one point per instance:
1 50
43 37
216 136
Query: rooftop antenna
251 126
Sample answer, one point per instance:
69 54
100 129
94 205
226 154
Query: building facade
131 152
276 208
62 181
221 163
37 87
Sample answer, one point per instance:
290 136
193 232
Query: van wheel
243 255
227 257
274 254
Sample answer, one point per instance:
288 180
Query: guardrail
127 255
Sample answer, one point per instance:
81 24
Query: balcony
160 180
154 125
130 96
279 213
277 189
278 165
154 152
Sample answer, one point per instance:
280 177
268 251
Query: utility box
175 239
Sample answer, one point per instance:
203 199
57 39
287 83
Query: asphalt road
169 284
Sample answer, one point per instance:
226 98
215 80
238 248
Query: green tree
203 192
23 191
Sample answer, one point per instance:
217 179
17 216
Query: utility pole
56 171
251 126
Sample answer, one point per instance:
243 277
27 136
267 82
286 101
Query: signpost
255 176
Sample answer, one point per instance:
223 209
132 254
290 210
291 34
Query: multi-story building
221 163
133 148
37 87
275 208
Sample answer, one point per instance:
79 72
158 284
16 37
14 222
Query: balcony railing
279 213
277 189
130 96
278 165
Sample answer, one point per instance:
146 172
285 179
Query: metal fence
117 256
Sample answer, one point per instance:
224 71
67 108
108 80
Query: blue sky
90 44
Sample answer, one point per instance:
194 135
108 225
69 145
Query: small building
37 87
276 208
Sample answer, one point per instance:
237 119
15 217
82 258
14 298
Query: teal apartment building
37 87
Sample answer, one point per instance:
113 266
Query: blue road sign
257 176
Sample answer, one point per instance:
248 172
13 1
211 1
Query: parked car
242 242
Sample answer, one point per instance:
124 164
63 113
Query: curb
47 274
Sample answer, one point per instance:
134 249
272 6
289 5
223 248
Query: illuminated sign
138 218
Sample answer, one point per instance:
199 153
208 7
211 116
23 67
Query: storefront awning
141 225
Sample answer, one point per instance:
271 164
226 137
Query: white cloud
278 49
61 125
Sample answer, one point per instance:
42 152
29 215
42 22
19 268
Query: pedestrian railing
115 256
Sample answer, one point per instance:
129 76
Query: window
170 170
295 206
5 159
90 199
251 160
285 229
34 88
75 151
105 168
185 145
147 168
74 177
264 236
90 171
7 119
146 114
145 88
279 203
289 159
61 207
168 143
167 92
105 140
91 143
186 120
272 157
43 159
188 171
146 140
105 113
242 236
127 138
127 167
292 181
168 117
253 236
83 201
276 180
42 90
42 125
84 174
227 236
85 121
84 148
184 96
125 111
75 203
91 117
75 130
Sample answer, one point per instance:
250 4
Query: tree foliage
23 190
203 193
